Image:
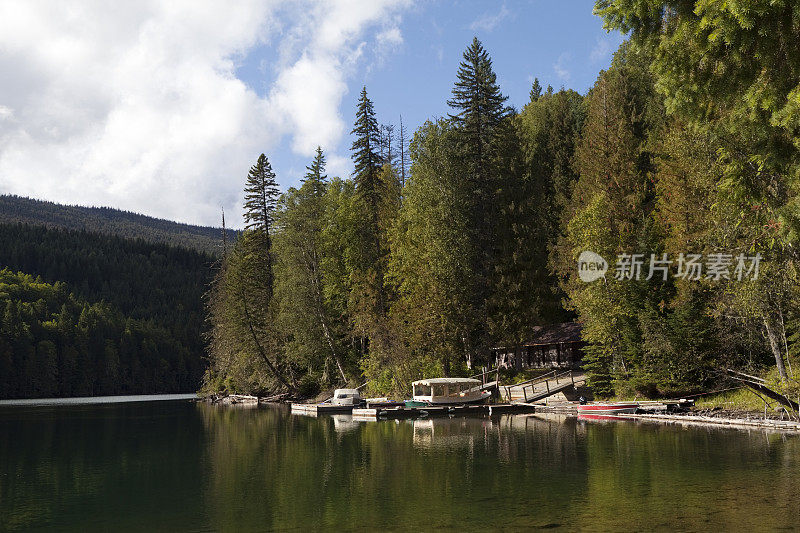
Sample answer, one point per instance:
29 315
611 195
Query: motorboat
346 397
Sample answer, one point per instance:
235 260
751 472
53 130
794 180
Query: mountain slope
152 291
111 222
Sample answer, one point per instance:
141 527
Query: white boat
346 397
449 391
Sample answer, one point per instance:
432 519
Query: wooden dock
433 411
320 408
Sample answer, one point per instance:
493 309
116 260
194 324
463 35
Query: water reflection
514 472
183 467
451 432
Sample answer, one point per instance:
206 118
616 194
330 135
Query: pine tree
224 236
480 103
261 198
536 90
305 312
315 176
366 156
480 127
369 190
611 213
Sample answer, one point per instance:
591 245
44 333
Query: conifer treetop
261 195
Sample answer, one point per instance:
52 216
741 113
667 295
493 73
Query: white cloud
137 105
390 37
489 21
560 68
601 50
310 88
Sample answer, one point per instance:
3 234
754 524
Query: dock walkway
378 411
539 388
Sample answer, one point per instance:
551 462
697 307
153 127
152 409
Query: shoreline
731 418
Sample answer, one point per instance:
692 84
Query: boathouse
550 346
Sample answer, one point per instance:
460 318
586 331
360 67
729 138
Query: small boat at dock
448 391
608 408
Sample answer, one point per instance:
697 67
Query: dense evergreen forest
115 315
53 343
468 234
111 222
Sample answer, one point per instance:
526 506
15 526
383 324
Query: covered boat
346 397
449 391
608 408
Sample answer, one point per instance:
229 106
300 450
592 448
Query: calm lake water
181 466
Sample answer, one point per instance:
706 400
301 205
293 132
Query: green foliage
686 144
154 284
367 250
243 341
260 201
429 266
731 70
315 332
54 344
549 130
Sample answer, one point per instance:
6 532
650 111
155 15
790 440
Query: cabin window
422 390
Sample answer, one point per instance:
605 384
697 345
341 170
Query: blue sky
562 43
161 107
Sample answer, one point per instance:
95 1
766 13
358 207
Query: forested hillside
678 169
111 222
53 343
153 290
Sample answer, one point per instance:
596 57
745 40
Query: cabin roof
435 381
555 334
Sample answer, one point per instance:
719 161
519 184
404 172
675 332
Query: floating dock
437 410
320 408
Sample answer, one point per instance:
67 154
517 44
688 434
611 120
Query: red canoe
608 408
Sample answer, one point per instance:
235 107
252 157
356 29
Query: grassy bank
740 399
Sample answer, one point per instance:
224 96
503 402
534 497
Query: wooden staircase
541 387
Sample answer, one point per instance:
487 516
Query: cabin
550 346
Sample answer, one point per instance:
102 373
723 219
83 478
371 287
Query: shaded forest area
55 344
468 234
99 314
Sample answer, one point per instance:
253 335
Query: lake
176 465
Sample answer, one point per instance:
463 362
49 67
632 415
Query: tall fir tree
367 160
480 122
306 314
480 105
315 174
367 163
261 198
536 90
